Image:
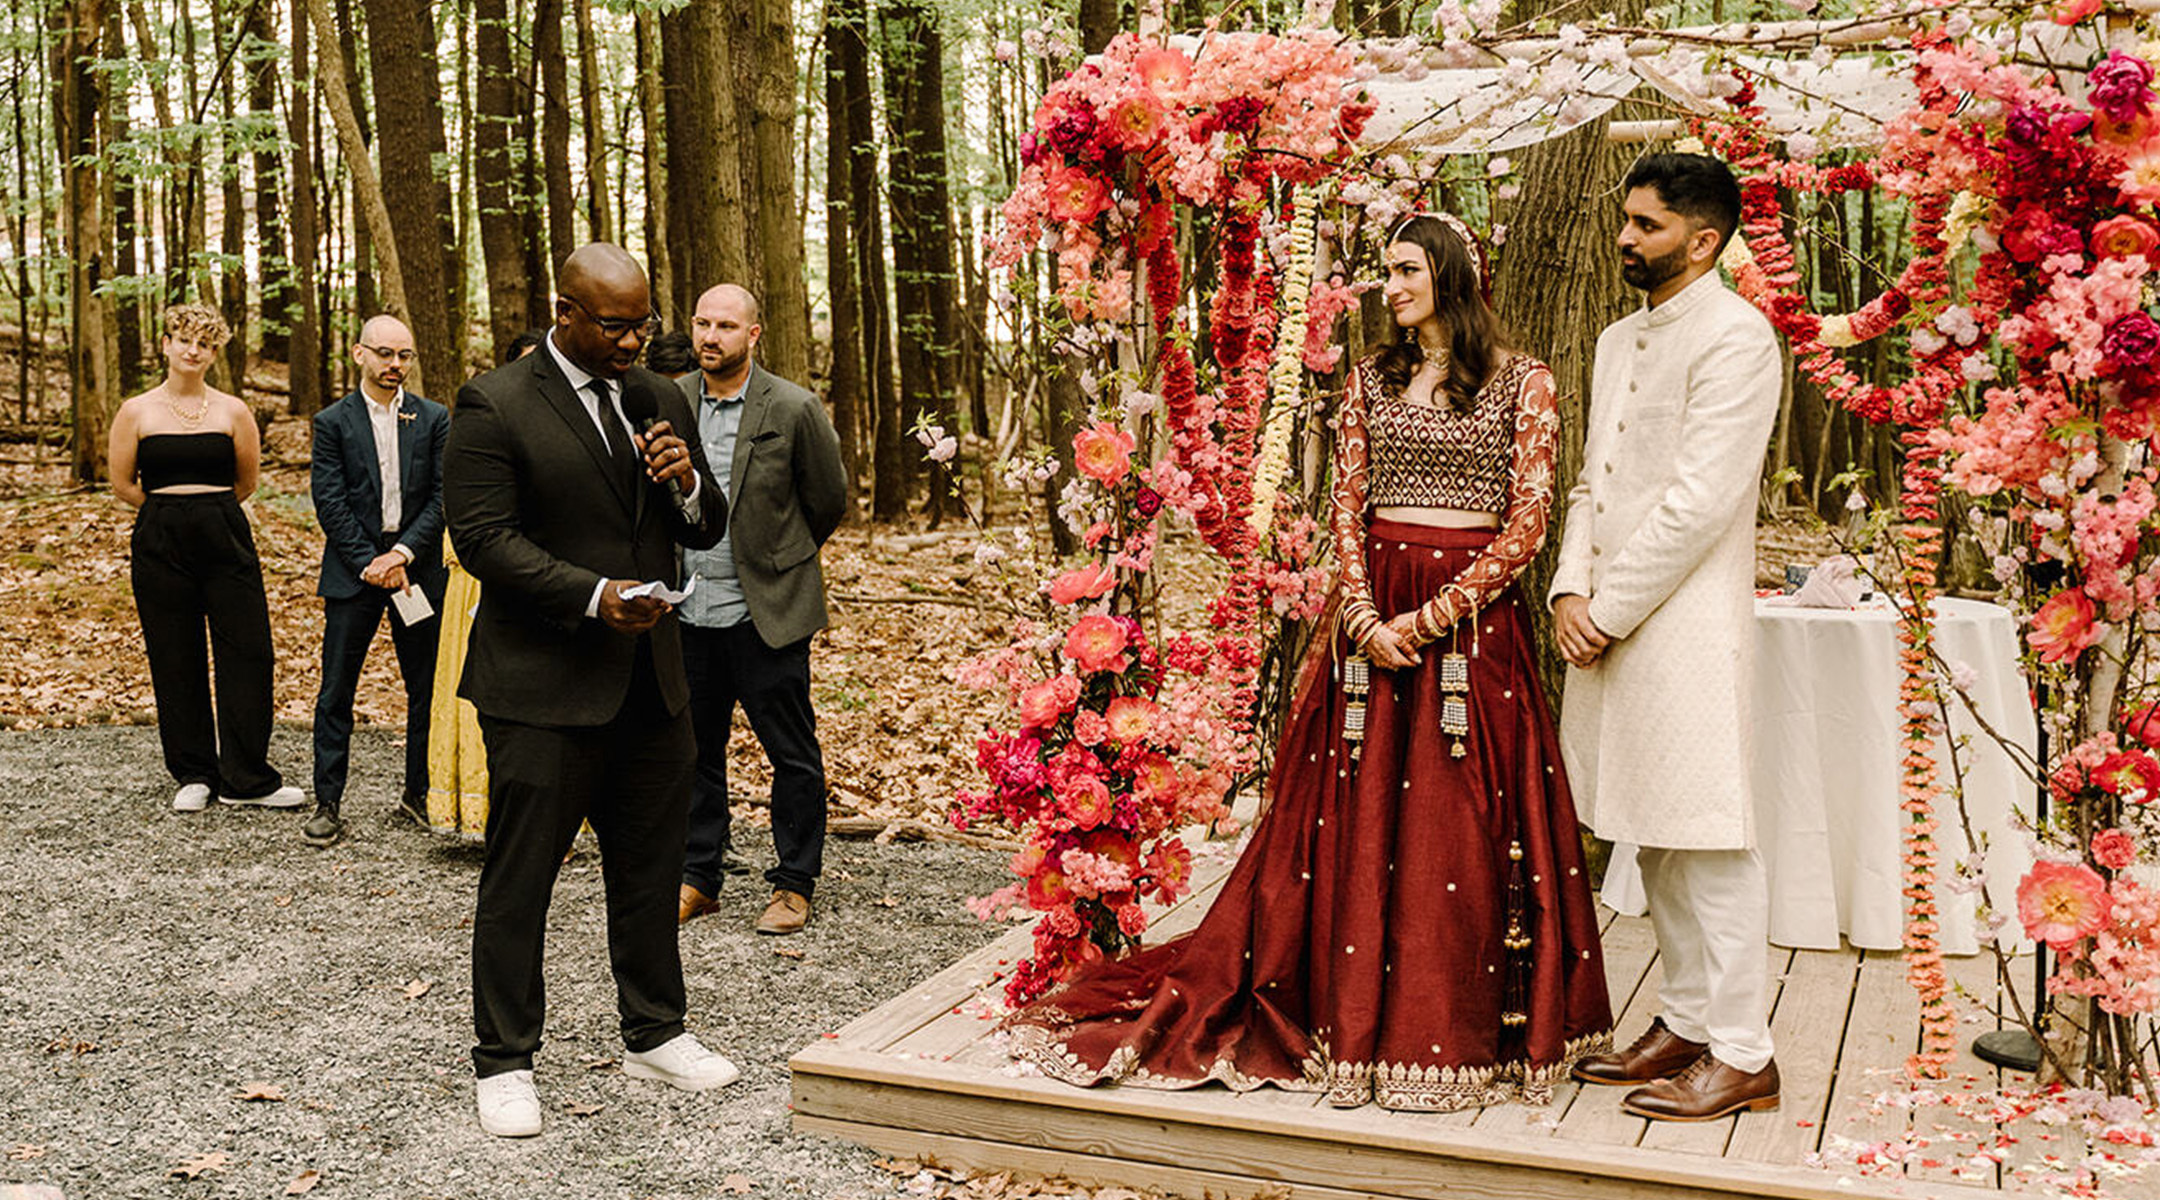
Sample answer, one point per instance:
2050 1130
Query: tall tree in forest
77 26
531 200
866 208
705 200
785 345
128 202
659 256
554 101
305 346
495 115
367 186
596 196
740 35
843 41
259 53
232 223
365 234
913 48
409 142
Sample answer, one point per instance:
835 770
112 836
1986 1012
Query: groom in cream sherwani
1653 606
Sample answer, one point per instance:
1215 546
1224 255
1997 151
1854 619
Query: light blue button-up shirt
718 601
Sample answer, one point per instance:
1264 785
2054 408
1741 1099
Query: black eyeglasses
614 327
388 355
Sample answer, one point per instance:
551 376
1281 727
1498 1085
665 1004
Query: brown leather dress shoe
1658 1054
1707 1090
694 903
787 913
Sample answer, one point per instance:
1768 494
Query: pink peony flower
2073 12
2144 725
2114 848
1170 868
1082 583
1041 706
1075 195
2131 340
1097 643
1164 70
1136 122
1103 453
2131 774
2063 627
1087 801
2062 903
2123 236
1047 888
2121 86
1089 727
1131 718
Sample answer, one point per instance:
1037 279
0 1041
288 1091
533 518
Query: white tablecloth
1826 774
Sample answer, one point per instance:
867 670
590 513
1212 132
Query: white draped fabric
1826 768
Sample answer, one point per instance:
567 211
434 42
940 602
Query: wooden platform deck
922 1075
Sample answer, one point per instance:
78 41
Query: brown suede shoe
1658 1054
1707 1090
787 913
694 903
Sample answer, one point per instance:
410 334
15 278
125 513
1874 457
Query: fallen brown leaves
200 1165
25 1151
418 988
258 1090
926 1180
303 1183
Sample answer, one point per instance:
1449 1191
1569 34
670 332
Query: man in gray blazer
759 597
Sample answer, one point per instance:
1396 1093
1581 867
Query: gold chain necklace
193 418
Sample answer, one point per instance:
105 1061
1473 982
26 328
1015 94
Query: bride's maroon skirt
1362 944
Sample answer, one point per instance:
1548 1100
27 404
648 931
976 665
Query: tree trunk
232 228
785 345
260 53
705 205
889 468
596 140
659 247
31 355
79 87
367 187
305 349
1099 21
410 140
129 360
909 49
365 291
742 57
1553 285
554 101
495 114
532 196
843 43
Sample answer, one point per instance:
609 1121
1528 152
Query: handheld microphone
640 408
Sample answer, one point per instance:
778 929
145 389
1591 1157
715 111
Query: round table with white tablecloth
1826 762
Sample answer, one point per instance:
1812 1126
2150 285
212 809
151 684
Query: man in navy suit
376 475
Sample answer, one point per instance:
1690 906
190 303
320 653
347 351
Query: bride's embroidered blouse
1496 458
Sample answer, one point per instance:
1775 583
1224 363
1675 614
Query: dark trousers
631 779
734 666
192 563
348 627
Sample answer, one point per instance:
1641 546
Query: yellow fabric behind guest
457 761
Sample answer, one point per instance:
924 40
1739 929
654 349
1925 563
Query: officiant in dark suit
573 477
376 478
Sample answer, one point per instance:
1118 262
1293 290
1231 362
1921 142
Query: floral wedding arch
2026 149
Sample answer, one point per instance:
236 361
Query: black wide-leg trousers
732 666
631 779
193 566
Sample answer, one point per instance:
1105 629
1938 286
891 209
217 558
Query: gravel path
154 965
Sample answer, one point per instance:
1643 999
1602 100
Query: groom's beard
1648 273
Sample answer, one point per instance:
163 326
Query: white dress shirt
383 420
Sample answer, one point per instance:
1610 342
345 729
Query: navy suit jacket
347 486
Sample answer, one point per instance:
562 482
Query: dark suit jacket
539 516
787 491
346 483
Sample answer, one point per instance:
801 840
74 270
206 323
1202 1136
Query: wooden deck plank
1883 1031
1808 1029
1355 1149
1593 1115
1974 977
1629 947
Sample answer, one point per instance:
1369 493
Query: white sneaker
509 1107
683 1063
192 797
285 797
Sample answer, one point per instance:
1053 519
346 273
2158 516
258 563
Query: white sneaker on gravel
192 797
509 1107
285 797
683 1063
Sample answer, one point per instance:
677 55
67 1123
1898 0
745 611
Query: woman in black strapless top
187 454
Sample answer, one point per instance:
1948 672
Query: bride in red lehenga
1410 925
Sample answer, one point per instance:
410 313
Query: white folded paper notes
412 605
661 592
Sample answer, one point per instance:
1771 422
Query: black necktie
611 431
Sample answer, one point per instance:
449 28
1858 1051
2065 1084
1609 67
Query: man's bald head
724 331
384 355
734 297
602 309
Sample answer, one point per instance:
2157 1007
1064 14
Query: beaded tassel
1455 692
1356 685
1516 997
